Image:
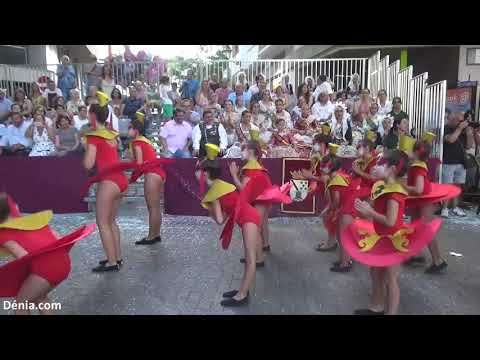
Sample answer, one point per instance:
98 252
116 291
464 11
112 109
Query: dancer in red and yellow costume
385 242
102 152
42 261
363 166
253 171
227 206
424 195
155 176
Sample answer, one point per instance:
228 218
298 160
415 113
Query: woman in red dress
418 184
42 262
385 242
254 172
227 206
145 156
339 213
364 165
102 152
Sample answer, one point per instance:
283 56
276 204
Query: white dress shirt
197 135
16 135
322 112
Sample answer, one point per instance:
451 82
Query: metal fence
340 71
23 76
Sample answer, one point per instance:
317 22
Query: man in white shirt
280 113
14 142
51 93
323 109
82 117
323 86
208 131
175 136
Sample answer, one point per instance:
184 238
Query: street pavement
188 271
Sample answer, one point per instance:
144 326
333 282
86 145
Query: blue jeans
180 154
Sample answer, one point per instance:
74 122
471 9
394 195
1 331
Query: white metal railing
339 71
404 79
15 76
392 88
434 118
373 73
416 109
383 74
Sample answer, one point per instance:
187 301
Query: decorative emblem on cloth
299 190
399 239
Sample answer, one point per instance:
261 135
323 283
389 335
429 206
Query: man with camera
458 138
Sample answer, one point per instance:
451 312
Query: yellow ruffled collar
380 188
142 139
34 221
217 190
337 180
253 165
103 133
420 164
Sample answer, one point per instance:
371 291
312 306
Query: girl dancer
418 185
364 165
144 154
102 152
385 242
254 171
226 205
42 261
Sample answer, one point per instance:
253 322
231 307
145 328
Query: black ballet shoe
415 260
266 248
368 312
230 294
259 264
231 302
144 241
436 269
104 262
105 268
337 267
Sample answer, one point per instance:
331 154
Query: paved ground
188 271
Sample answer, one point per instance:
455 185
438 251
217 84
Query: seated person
66 139
282 144
15 141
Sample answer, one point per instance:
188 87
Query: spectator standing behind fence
66 77
75 102
192 117
92 72
107 81
261 87
42 137
51 93
67 139
323 109
82 118
176 136
189 86
384 106
21 99
354 86
174 95
14 142
167 104
458 137
223 92
255 88
208 131
132 103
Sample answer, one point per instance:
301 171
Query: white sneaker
459 212
444 213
